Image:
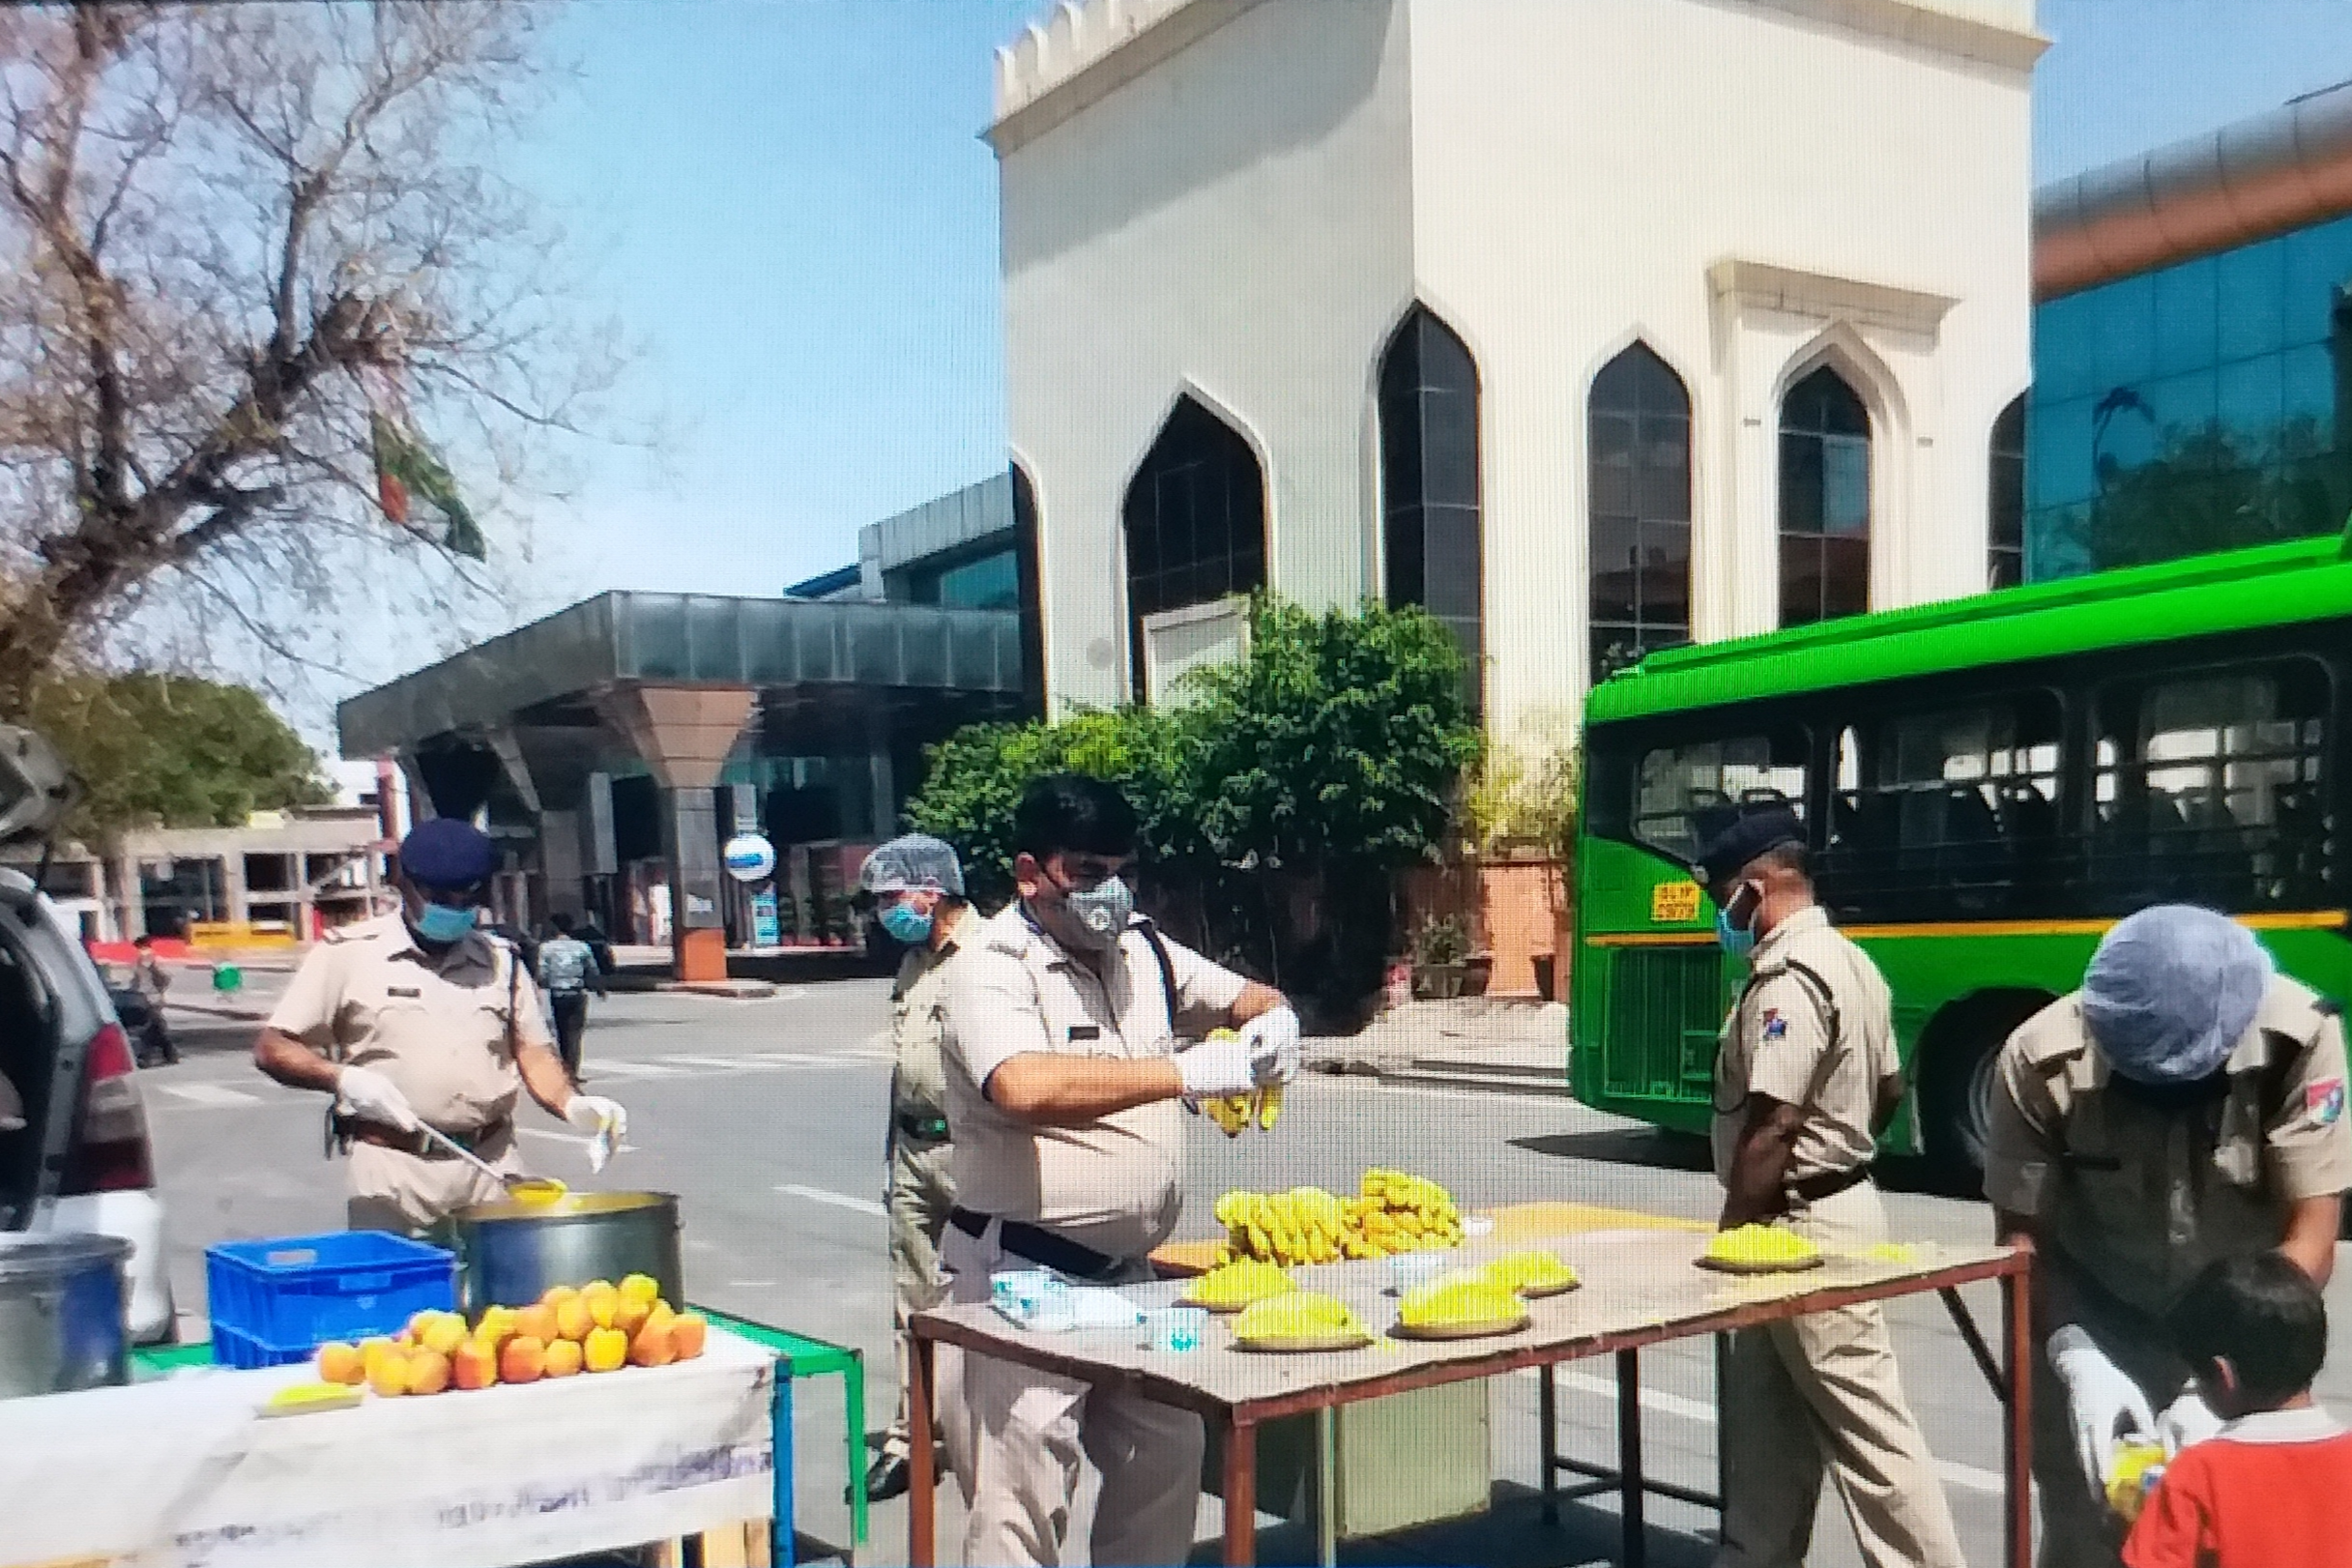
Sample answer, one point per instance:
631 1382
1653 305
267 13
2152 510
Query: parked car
82 1160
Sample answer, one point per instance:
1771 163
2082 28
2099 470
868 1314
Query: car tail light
109 1152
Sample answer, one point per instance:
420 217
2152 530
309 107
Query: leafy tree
2210 489
173 751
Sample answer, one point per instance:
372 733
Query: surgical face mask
905 922
1738 938
439 923
1096 917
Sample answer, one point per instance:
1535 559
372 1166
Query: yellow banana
1269 1106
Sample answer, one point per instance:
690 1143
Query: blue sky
787 203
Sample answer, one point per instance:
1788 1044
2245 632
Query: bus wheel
1956 1083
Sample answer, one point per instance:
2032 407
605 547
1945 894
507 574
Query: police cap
448 853
1731 836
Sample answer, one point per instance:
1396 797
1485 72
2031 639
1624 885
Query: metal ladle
522 1188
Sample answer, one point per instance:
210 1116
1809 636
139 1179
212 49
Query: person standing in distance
1806 1079
917 887
417 1019
2185 1106
1064 1094
567 969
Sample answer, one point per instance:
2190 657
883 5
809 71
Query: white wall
1235 223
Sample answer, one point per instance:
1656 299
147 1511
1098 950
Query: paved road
766 1117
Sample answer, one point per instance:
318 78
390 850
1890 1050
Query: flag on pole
407 469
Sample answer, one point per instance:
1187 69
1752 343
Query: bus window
1947 812
2210 788
1674 782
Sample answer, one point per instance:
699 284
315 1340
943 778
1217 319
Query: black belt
406 1141
1042 1247
1829 1183
922 1129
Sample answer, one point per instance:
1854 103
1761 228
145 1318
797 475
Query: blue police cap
446 852
1731 836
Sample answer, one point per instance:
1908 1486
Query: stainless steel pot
62 1312
512 1253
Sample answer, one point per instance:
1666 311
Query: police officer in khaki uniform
2186 1105
1063 1089
1805 1078
917 887
420 1019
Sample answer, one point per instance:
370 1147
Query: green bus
1988 785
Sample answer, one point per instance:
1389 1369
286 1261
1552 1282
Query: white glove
369 1095
2187 1420
2103 1403
1273 1037
602 1119
1214 1069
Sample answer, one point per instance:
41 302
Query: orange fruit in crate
689 1334
572 1321
475 1365
652 1348
564 1357
341 1363
537 1322
606 1350
387 1375
428 1371
523 1360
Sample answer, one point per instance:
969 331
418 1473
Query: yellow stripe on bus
2294 920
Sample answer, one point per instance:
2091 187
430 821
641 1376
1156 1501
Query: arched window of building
2006 530
1825 501
1029 567
1638 435
1195 518
1429 479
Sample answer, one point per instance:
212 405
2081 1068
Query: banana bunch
1296 1315
1759 1244
1238 1284
1398 1212
1458 1301
1305 1224
1233 1114
1530 1271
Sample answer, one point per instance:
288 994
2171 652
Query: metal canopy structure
798 651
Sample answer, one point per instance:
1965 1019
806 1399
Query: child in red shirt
2267 1491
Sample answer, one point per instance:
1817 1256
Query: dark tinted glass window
2198 407
1639 438
2211 787
1195 518
1825 501
1949 811
2005 532
1429 479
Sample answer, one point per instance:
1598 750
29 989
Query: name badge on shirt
408 991
1085 1031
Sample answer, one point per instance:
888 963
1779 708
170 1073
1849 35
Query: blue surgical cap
2170 990
913 863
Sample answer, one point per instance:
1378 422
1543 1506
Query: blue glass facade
2196 406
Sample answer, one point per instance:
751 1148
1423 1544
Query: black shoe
888 1479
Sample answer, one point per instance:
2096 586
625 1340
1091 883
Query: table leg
853 1390
1240 1496
1547 1440
2017 1312
921 1484
1326 1486
783 1542
1722 1464
1629 1458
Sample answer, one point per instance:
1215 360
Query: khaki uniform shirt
1115 1185
918 1003
2140 1198
444 1029
1785 1040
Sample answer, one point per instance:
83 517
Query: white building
1590 323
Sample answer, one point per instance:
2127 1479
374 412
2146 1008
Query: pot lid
571 1206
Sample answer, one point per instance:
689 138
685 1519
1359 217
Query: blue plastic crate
275 1302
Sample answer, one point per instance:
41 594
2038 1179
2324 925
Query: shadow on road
1510 1534
212 1036
1660 1150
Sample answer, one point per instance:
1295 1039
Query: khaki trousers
1817 1395
407 1194
2078 1529
918 1201
1016 1437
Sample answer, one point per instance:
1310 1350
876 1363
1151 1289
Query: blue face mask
1739 940
906 923
439 923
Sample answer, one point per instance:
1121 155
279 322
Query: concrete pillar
883 776
559 862
131 895
684 733
232 888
